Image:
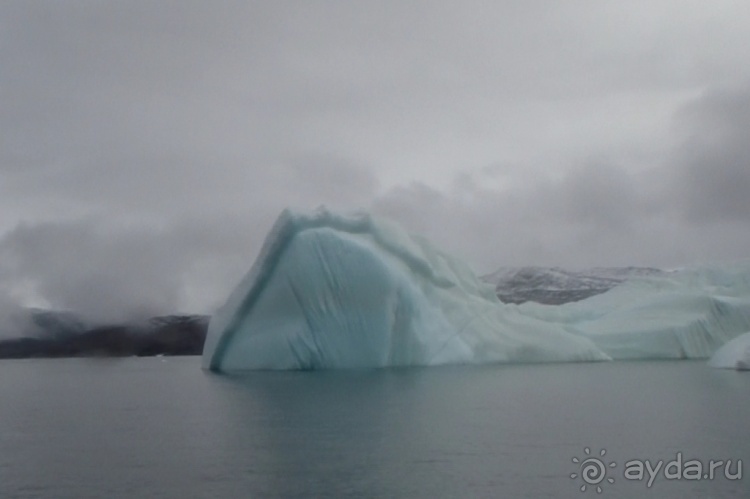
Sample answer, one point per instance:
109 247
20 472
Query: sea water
164 428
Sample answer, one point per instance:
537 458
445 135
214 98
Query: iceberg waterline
334 291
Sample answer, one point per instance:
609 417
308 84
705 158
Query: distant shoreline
174 335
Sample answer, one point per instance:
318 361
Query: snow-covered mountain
555 285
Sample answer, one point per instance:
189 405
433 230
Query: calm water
154 428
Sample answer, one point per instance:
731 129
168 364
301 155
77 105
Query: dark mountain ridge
62 334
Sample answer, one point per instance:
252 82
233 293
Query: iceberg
734 355
330 291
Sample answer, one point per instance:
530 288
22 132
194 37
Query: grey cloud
594 214
159 140
157 109
712 165
76 267
691 206
12 316
333 180
542 220
114 273
486 226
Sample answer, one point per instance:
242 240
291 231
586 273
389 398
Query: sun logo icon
593 470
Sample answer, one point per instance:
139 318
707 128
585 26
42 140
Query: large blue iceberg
333 291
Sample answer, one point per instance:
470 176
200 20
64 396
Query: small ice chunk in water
734 355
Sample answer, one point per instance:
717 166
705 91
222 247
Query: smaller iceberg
735 354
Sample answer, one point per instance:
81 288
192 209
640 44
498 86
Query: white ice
332 291
734 355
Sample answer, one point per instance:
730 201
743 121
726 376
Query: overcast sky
147 146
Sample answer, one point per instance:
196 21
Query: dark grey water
153 428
